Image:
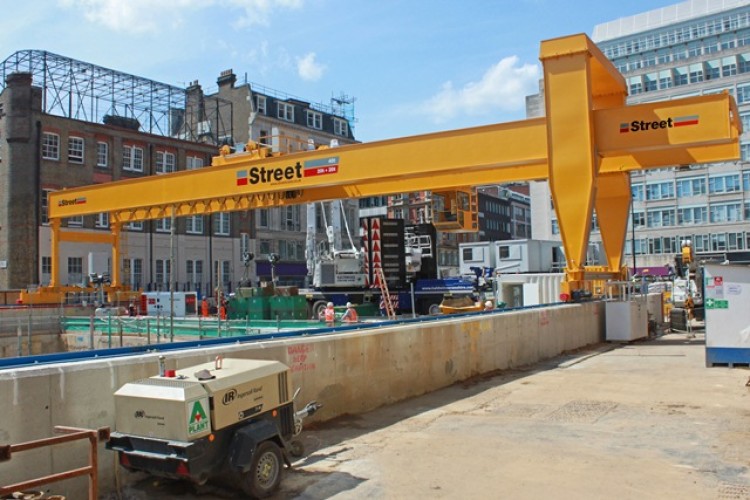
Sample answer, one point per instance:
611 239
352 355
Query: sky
409 67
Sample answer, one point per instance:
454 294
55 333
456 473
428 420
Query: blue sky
413 66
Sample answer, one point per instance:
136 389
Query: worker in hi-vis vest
328 314
350 316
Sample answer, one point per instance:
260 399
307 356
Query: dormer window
314 120
260 104
285 112
340 127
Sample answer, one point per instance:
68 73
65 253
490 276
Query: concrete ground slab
642 420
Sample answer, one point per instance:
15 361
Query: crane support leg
54 252
115 272
570 150
612 208
578 81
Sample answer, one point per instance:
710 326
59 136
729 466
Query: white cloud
503 87
308 68
151 16
259 11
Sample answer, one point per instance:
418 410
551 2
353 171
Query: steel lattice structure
84 91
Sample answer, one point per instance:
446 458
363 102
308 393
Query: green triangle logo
198 415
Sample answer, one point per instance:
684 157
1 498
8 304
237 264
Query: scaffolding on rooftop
84 91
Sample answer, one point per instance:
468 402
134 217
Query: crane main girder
509 152
589 135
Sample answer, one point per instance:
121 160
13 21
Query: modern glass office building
692 48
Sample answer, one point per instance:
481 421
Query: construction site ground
641 420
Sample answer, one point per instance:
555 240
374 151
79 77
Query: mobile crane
585 147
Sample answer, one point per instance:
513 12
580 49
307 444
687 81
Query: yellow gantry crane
585 146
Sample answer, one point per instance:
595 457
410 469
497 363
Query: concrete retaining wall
350 372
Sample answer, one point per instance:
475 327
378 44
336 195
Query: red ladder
385 294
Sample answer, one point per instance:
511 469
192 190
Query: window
635 85
639 219
724 212
692 215
745 149
680 76
102 220
260 104
264 138
743 94
713 70
222 273
194 269
660 217
735 241
193 162
285 112
637 192
291 220
641 247
718 242
728 66
134 226
132 158
162 274
132 272
46 269
691 186
75 270
650 83
244 244
662 245
696 73
340 127
287 250
50 146
265 247
102 154
75 149
45 205
164 162
746 181
660 191
221 224
194 224
76 221
164 225
314 120
262 217
724 184
744 63
700 242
